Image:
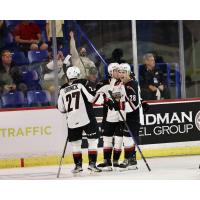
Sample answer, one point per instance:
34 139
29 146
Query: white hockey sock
76 146
107 142
118 142
128 142
92 144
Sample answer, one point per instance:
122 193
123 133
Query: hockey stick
131 134
61 159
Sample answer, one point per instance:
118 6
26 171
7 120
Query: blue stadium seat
37 56
9 42
9 39
38 98
44 36
29 75
41 24
19 58
11 23
31 79
13 99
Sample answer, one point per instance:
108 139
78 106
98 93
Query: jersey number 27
69 97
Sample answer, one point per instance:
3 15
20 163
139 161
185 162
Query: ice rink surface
163 168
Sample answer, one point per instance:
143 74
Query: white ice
163 168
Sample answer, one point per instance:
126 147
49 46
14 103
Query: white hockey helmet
73 72
111 67
125 67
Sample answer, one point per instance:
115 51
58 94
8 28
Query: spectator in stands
100 65
7 73
158 58
2 34
10 78
117 56
154 85
93 75
49 72
28 36
59 32
80 59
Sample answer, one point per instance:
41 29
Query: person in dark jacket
10 78
153 84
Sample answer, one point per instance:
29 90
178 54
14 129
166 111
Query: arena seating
19 58
9 39
38 98
41 24
10 24
31 79
37 56
44 36
13 100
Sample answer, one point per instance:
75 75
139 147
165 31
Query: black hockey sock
92 156
116 154
107 152
77 159
132 152
128 152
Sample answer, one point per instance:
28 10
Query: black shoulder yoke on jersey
102 83
91 89
131 88
132 93
82 81
64 85
87 84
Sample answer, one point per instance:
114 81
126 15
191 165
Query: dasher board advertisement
168 122
29 132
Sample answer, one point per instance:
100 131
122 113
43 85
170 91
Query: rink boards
33 136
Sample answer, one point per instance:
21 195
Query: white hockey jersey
118 90
71 102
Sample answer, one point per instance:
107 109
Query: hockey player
75 100
112 122
134 115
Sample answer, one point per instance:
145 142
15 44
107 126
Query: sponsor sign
171 122
32 133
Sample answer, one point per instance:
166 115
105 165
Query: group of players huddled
120 92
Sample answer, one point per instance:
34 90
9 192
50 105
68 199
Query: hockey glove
110 104
116 105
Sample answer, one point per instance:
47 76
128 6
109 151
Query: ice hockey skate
105 166
93 168
128 164
78 169
117 166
